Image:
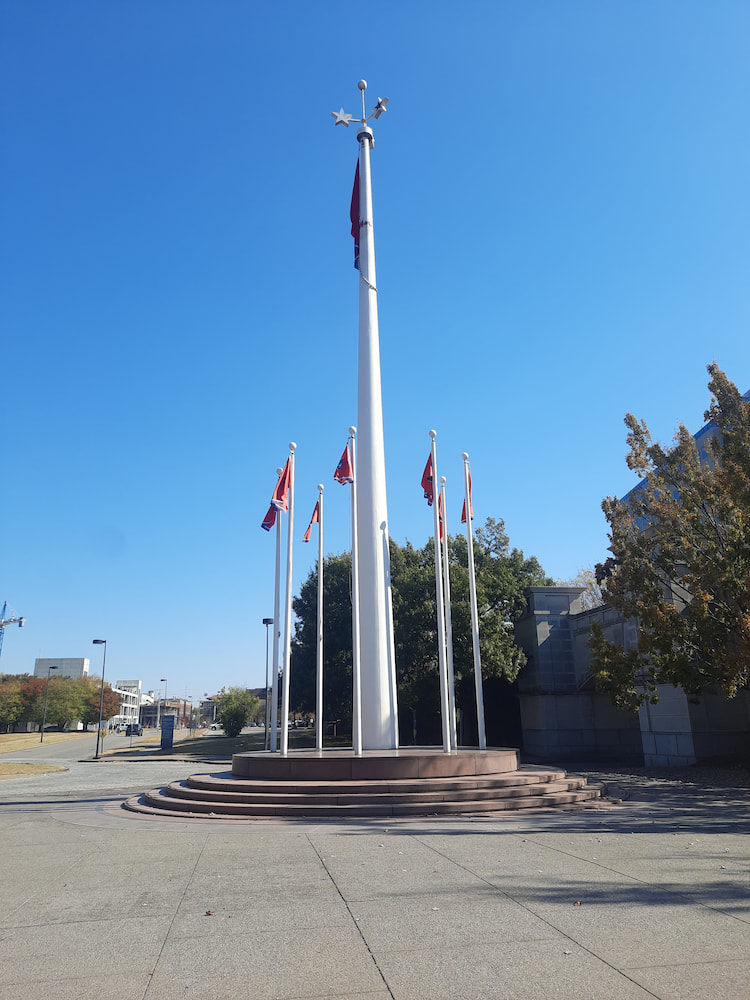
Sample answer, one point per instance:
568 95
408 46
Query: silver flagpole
288 610
448 620
319 672
378 696
273 736
356 649
474 610
439 603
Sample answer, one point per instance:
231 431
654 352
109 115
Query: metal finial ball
362 84
292 446
465 456
353 431
443 480
433 434
321 487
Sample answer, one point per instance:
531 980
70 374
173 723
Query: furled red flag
344 473
471 505
280 498
354 216
270 519
315 518
427 484
440 514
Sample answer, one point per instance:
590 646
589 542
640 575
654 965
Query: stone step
414 782
224 782
426 793
157 804
165 802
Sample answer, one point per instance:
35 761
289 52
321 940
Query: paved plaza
647 898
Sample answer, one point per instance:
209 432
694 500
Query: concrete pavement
647 899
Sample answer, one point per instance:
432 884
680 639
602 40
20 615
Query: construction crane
9 617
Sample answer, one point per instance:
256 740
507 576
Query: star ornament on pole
342 118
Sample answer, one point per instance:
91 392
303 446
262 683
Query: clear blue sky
561 223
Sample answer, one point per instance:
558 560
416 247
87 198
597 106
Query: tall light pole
163 680
46 691
266 744
100 642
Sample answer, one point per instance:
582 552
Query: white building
129 693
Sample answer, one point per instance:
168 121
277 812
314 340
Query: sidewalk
647 899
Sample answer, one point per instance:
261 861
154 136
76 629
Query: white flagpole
440 606
378 705
273 743
474 610
319 672
356 665
288 609
448 620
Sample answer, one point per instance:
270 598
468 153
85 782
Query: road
85 778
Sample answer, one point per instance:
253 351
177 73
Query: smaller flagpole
273 742
356 675
319 671
440 607
288 610
474 611
448 619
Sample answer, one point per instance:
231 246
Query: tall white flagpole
356 643
273 736
448 619
474 610
288 610
439 603
319 658
378 695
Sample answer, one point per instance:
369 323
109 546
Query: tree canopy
69 700
680 563
502 576
234 708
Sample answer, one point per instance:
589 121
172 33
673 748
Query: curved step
172 801
413 782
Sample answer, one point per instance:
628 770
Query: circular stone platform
374 765
408 782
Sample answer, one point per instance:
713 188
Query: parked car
136 729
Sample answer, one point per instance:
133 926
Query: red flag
270 519
354 215
441 515
344 473
471 505
427 484
280 498
315 518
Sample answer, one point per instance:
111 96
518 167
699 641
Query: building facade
563 717
66 666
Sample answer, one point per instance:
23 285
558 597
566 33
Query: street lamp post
100 642
46 692
163 680
266 744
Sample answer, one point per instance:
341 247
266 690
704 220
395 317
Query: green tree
680 563
64 702
11 704
337 642
234 708
90 697
502 576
